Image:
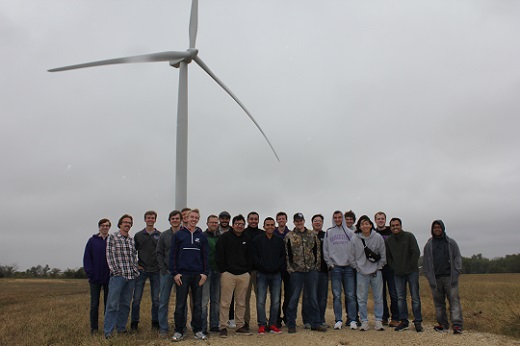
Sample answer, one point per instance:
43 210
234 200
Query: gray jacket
357 257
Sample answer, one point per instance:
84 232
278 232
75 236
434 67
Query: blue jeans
211 295
445 290
138 294
400 284
95 293
389 283
344 279
164 299
274 283
364 282
189 282
118 304
322 296
307 281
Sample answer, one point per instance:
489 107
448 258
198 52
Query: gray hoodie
357 258
336 245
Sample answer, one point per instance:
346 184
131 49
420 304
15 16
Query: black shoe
402 326
93 331
223 333
292 330
319 329
155 325
418 327
214 330
134 325
457 329
243 331
440 329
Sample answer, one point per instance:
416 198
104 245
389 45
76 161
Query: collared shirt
122 256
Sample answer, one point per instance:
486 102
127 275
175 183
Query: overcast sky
410 107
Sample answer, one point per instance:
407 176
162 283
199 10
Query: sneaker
261 330
134 325
177 337
223 333
338 325
379 326
393 323
155 325
325 325
385 321
353 325
364 326
319 329
201 336
307 326
418 327
402 326
243 331
163 334
214 330
457 329
231 324
275 330
291 330
440 329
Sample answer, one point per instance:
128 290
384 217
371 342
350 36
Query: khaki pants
228 284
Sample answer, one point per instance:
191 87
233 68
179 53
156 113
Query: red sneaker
261 330
275 330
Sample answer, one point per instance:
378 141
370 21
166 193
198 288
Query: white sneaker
177 337
231 324
353 325
338 325
200 336
379 326
364 326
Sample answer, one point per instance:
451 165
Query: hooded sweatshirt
95 260
336 244
441 258
189 252
357 257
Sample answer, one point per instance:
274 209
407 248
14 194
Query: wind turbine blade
194 22
219 82
156 57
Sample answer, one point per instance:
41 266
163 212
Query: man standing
163 256
303 256
252 231
388 277
185 216
224 226
343 276
96 268
146 246
234 262
442 265
211 288
281 231
402 255
189 267
350 220
122 261
269 261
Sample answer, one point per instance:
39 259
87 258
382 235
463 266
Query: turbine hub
192 53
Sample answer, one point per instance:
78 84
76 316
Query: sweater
189 253
357 257
95 260
268 254
402 253
233 253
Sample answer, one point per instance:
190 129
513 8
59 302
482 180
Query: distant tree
55 272
8 271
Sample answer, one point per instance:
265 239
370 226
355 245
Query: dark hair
269 219
102 221
337 212
396 219
174 213
211 216
361 219
252 213
351 214
317 215
150 212
281 213
239 217
124 217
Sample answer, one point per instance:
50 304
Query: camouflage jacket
303 251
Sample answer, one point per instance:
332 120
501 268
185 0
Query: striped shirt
122 256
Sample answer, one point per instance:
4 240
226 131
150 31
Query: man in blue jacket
189 267
96 268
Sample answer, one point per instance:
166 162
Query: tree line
476 264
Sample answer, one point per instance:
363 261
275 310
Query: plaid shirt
122 256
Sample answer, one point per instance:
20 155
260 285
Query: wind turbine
179 59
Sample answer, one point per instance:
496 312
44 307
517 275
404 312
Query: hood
343 223
439 222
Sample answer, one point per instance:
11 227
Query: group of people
216 271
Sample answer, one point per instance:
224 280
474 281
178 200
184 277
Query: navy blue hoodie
189 252
95 260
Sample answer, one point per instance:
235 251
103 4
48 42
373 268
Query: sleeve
381 263
255 253
415 252
317 252
282 260
111 257
163 266
88 265
326 255
388 253
205 255
289 254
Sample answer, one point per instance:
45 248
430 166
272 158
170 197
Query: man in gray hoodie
442 265
343 275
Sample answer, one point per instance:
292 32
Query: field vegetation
56 312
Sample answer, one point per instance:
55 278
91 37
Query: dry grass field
55 312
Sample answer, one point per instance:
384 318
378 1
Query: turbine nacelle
192 54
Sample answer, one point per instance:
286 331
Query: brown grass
56 312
